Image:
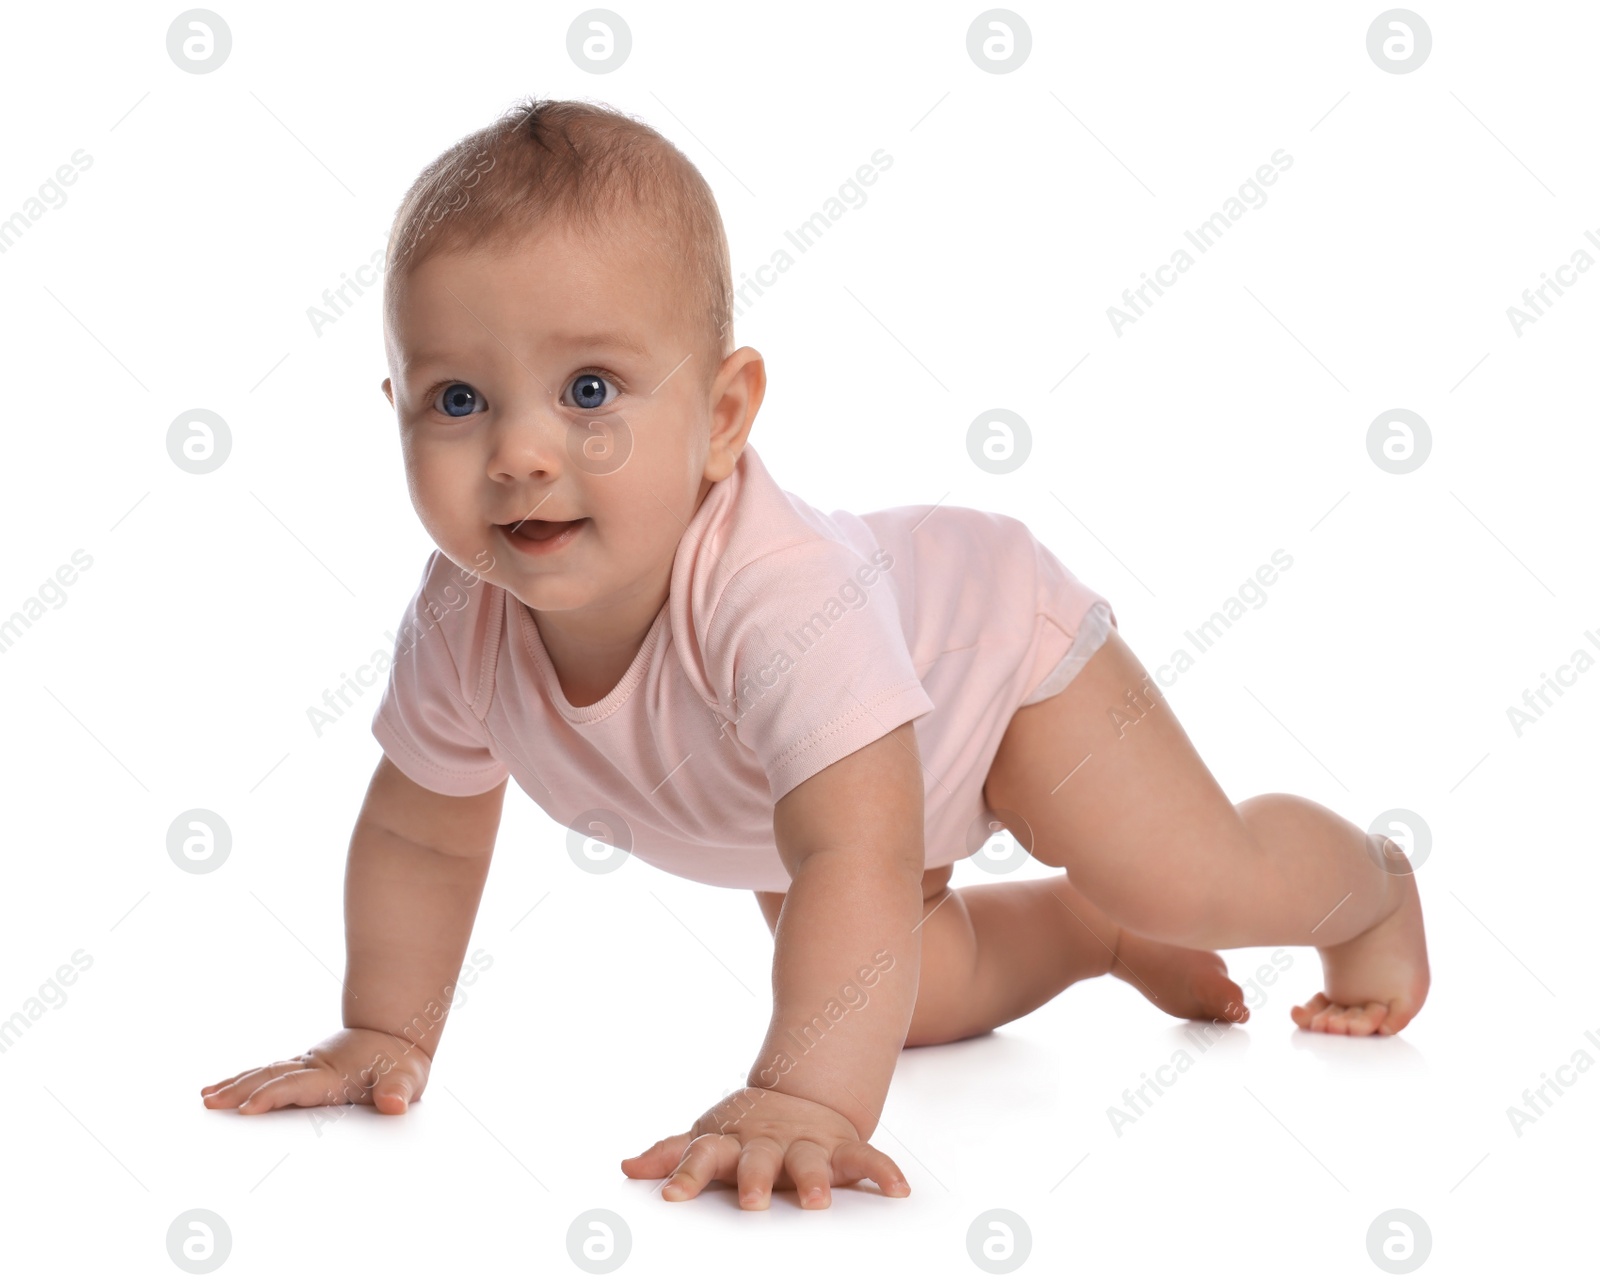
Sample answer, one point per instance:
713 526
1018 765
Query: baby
680 660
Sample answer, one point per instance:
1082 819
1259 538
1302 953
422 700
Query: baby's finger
226 1081
711 1155
307 1087
808 1167
760 1163
856 1160
233 1091
657 1161
395 1090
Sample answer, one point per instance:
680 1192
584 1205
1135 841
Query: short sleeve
808 658
424 721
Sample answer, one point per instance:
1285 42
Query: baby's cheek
443 504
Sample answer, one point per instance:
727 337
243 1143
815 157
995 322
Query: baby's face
553 383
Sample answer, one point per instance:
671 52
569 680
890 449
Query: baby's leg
994 952
1107 785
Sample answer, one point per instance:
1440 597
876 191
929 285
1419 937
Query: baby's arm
844 976
416 869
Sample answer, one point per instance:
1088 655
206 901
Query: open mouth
536 535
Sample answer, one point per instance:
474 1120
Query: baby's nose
528 443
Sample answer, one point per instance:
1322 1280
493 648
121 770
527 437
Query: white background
1229 421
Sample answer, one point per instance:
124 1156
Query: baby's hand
760 1138
354 1065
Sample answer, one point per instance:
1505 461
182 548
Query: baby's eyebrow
604 339
614 339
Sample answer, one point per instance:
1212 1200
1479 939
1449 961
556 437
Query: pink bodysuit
789 639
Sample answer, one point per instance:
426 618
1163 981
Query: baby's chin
541 593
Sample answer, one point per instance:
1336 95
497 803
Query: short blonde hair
584 167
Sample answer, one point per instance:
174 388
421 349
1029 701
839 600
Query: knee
1284 819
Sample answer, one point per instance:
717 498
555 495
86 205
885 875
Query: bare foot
1177 980
1377 981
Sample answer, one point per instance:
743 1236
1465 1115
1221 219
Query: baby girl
678 659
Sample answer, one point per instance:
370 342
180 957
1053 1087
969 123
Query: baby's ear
388 392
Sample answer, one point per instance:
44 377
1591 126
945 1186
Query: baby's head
559 331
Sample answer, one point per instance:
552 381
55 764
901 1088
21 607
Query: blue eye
458 400
589 391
